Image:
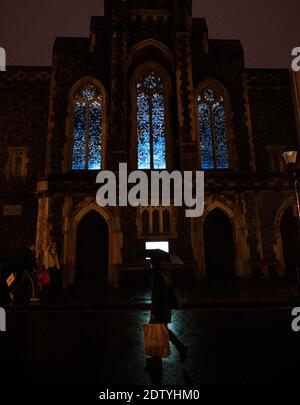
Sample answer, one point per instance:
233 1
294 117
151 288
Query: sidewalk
239 294
245 293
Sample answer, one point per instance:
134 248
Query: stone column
184 84
118 118
42 230
254 238
66 261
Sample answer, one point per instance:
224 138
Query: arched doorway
92 250
290 242
218 246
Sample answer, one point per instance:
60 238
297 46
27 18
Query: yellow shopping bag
156 340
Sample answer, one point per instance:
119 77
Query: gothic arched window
151 122
213 132
87 128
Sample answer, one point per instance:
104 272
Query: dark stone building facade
248 227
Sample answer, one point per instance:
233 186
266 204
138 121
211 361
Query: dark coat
162 296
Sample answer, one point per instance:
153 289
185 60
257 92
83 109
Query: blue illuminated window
151 127
87 130
213 133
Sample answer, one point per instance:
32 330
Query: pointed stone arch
219 248
278 246
241 249
115 241
140 47
67 162
142 69
221 90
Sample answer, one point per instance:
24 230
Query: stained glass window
151 129
213 133
87 130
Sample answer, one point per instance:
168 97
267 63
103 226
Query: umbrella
158 255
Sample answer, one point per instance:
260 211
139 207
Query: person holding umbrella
164 299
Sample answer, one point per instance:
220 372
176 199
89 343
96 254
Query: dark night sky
268 29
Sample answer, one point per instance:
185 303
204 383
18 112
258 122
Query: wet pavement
241 294
238 345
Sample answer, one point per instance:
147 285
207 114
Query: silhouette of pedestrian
4 290
22 261
52 265
164 299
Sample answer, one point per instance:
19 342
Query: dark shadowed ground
106 347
